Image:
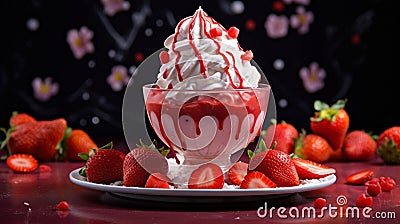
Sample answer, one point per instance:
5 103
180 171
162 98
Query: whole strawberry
284 135
78 141
17 119
41 139
142 161
103 165
331 122
313 147
359 146
276 165
388 144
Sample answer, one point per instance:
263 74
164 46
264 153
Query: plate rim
74 178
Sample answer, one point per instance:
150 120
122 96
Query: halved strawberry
307 169
22 163
256 179
360 177
157 180
207 176
237 172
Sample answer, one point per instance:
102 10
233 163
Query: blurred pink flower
313 77
111 7
118 78
300 2
43 90
276 26
302 20
80 41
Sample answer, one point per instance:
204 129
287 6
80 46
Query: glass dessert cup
206 126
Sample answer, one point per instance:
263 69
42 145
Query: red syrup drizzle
178 69
203 18
196 51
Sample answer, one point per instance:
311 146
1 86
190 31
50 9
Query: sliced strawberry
319 203
237 172
207 176
257 179
364 201
233 32
44 168
22 163
307 169
360 177
157 180
372 181
387 183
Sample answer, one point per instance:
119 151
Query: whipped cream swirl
203 55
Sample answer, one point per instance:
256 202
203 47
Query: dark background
363 72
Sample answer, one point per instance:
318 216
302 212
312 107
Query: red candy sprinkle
62 206
233 32
216 32
164 57
319 203
247 56
364 201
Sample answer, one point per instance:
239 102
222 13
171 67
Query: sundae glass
208 102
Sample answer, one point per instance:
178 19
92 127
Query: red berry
319 203
387 183
372 181
157 180
216 32
364 201
233 32
360 177
63 206
374 189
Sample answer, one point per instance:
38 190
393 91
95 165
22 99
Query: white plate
182 195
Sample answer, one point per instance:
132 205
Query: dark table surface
32 198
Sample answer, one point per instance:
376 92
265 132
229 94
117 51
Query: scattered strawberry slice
237 172
22 163
207 176
360 177
257 179
157 180
319 203
374 189
387 183
307 169
44 168
364 201
62 206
